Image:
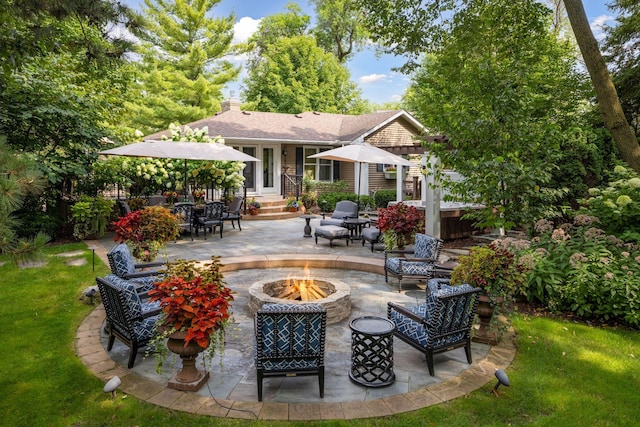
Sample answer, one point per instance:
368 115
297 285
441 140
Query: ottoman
331 232
371 235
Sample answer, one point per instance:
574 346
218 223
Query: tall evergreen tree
182 71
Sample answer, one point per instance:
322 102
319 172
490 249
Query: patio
273 249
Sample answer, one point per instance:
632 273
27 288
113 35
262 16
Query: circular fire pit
337 302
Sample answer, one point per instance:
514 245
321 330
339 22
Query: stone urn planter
189 377
485 334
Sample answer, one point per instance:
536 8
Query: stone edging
94 356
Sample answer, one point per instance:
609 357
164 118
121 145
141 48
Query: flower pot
293 209
144 252
189 377
390 175
254 211
485 311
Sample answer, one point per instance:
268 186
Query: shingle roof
304 127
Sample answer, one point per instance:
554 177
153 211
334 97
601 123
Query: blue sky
373 74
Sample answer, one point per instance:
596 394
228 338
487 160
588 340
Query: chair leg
112 339
260 377
221 227
133 352
429 355
239 226
467 350
321 380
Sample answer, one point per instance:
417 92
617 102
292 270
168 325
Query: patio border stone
93 355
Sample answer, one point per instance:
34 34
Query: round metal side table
372 351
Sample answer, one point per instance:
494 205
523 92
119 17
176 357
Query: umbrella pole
186 197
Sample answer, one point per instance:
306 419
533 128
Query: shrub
32 223
91 216
580 268
328 201
399 224
383 197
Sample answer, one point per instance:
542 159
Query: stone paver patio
266 249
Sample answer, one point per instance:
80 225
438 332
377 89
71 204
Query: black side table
355 226
307 227
372 351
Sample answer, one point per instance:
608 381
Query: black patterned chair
345 209
123 265
440 324
212 218
232 213
126 318
124 207
420 266
185 212
290 341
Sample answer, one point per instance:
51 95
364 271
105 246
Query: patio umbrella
181 150
361 153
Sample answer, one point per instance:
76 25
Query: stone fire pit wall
338 304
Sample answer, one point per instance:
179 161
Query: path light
90 293
503 379
112 385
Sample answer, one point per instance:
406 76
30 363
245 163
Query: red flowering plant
194 300
399 224
146 231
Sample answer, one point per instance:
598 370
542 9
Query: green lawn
564 374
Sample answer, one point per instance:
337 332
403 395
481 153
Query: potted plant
501 273
91 216
146 231
292 204
399 224
196 308
198 196
390 172
254 206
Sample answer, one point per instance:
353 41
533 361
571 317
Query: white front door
270 177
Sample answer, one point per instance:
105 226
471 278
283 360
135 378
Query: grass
565 373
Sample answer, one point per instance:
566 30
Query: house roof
309 127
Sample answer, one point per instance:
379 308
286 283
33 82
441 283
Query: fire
302 289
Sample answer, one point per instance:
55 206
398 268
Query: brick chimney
230 105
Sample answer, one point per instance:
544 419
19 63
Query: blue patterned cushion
145 328
418 332
410 268
121 261
132 299
285 341
426 246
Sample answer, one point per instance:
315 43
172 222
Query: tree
292 23
182 71
501 87
622 45
413 27
339 28
606 93
294 75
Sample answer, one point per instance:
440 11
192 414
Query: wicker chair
185 212
212 218
123 265
126 319
290 341
426 252
441 324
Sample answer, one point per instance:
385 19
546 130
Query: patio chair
232 213
124 207
344 209
123 265
290 341
131 285
185 211
212 218
126 319
441 324
426 252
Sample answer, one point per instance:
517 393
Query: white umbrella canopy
362 153
181 150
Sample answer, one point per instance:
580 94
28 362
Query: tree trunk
606 93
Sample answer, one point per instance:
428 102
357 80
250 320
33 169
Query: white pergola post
431 195
400 183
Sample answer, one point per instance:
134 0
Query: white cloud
244 28
372 78
395 98
597 25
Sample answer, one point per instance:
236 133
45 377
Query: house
284 142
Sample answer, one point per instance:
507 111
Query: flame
305 286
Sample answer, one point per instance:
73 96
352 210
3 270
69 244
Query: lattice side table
372 351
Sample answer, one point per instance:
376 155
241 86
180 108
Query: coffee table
355 226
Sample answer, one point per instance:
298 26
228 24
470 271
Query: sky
373 74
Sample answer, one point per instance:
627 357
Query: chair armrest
407 313
419 260
149 313
398 251
149 264
142 274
